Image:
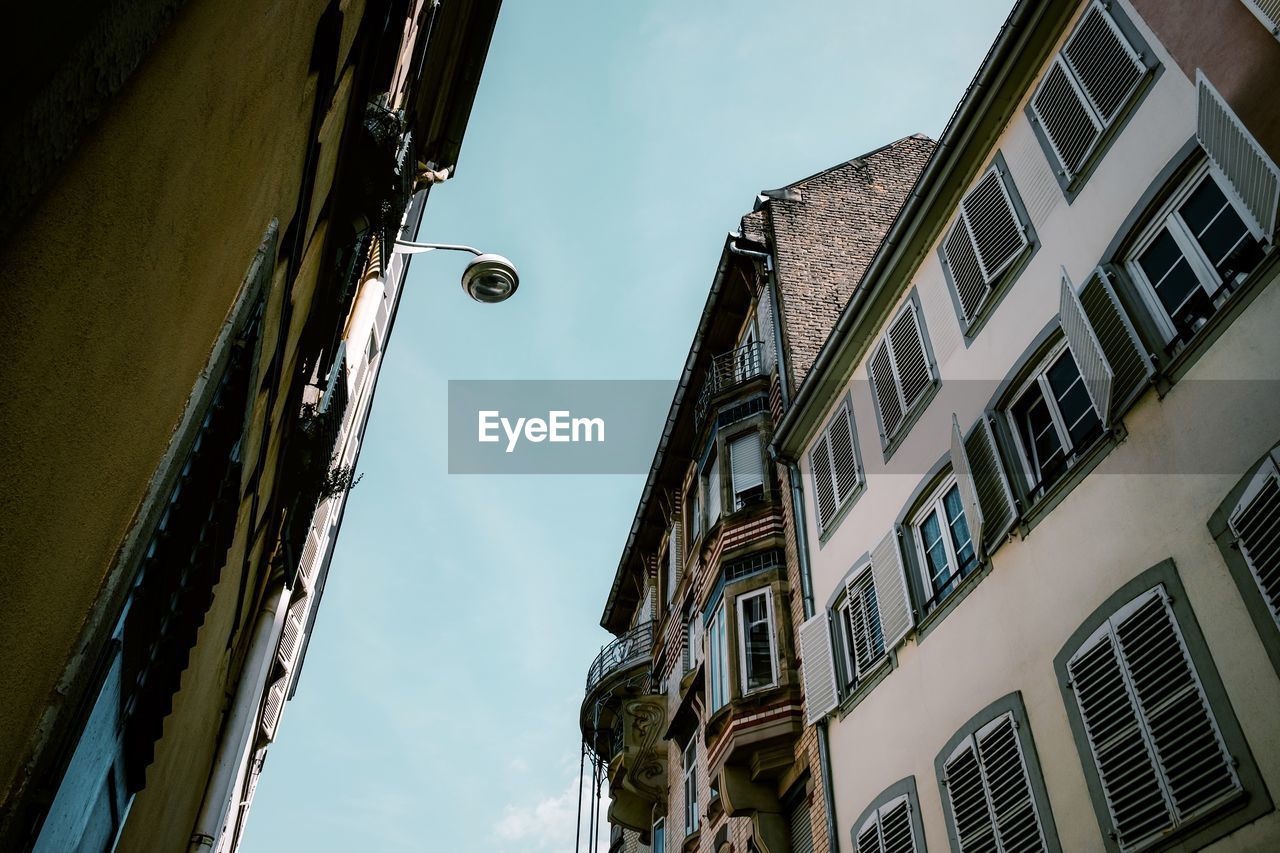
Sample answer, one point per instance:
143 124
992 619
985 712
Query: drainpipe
240 726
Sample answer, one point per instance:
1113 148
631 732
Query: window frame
737 504
659 831
719 681
689 767
743 628
842 503
891 441
934 504
1037 489
903 788
849 680
1245 809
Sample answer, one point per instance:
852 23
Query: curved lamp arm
404 247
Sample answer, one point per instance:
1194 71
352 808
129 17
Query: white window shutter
994 497
885 387
1131 365
746 462
675 556
992 222
888 829
817 668
892 598
844 460
1105 65
291 634
968 488
1267 12
824 495
1008 785
1092 361
1255 522
1068 122
274 705
764 320
966 272
970 810
1237 157
864 623
910 362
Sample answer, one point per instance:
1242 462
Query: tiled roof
825 230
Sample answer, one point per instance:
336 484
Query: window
659 836
833 461
1193 257
695 510
757 654
988 791
674 561
1152 735
1053 419
987 238
711 489
1255 522
1268 13
717 659
691 785
888 829
746 460
858 626
1087 88
693 642
943 542
900 372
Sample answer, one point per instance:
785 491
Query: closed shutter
1152 735
989 789
968 488
888 830
310 562
824 494
885 387
1237 157
1130 364
1268 12
273 705
746 463
817 668
986 238
800 826
843 458
1256 525
764 319
1064 115
295 621
909 360
1092 361
892 599
991 486
675 558
864 623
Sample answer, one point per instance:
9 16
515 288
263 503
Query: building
197 229
1038 456
693 717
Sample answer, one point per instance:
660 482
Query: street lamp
488 278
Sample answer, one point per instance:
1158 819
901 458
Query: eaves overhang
1024 43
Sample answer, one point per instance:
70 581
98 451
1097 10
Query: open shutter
892 598
964 479
1004 770
1131 365
1064 114
1268 12
906 340
746 462
823 481
817 668
885 386
843 458
991 486
764 320
273 705
1256 525
1237 157
1106 67
1090 358
295 621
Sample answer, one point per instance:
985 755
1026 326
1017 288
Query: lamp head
490 278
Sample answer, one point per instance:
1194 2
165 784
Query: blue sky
611 147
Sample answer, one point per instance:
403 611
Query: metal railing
727 370
630 649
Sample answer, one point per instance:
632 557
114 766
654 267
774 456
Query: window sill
887 665
828 531
691 839
971 330
891 445
1084 464
967 584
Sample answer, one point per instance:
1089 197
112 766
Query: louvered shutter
800 827
885 387
823 481
1255 522
1154 741
1092 361
985 240
892 598
291 634
310 562
1131 366
909 359
966 272
968 488
1268 12
1237 157
746 462
970 814
1008 786
817 668
273 705
764 319
1106 67
888 830
675 557
380 322
864 623
1064 115
991 486
843 458
869 836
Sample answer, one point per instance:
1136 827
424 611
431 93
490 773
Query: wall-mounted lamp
488 278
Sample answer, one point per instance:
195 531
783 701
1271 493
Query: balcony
631 649
729 370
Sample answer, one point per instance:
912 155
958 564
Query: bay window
757 653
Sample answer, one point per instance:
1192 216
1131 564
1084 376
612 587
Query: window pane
1077 411
1168 272
1218 228
935 551
961 539
1035 424
757 641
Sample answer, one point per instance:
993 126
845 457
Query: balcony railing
727 370
632 648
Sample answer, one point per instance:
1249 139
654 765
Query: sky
611 147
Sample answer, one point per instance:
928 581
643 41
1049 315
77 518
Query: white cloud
550 823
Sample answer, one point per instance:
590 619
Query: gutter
909 219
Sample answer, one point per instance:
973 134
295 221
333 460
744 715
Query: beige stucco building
1038 456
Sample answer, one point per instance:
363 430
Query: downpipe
228 760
